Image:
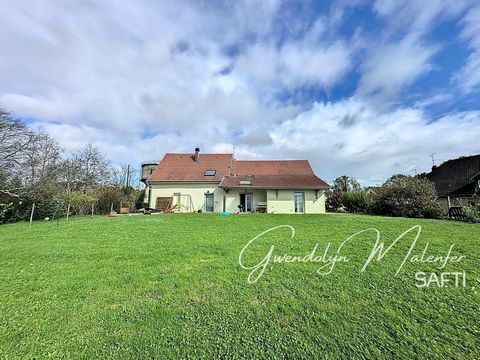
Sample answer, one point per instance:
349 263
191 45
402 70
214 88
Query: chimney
197 154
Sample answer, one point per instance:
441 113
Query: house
218 182
457 182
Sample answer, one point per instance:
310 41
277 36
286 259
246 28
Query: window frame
208 172
212 196
295 202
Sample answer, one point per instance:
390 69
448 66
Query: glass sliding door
248 202
298 199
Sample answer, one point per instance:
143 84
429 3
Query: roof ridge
175 153
270 175
273 160
459 158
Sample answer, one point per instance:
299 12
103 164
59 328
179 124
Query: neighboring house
218 182
457 181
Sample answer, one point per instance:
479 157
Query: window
298 201
245 182
209 202
210 172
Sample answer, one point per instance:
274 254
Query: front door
246 202
209 204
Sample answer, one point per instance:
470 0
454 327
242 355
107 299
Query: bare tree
42 159
88 168
69 174
125 176
14 138
33 170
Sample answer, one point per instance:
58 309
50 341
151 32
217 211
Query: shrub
7 213
333 199
357 201
80 203
407 196
47 198
471 215
107 195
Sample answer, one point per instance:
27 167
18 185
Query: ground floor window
299 201
209 203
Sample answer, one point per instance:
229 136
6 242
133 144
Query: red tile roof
271 174
274 182
182 167
272 167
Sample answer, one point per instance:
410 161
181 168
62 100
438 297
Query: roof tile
182 167
260 173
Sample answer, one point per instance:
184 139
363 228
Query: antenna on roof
433 158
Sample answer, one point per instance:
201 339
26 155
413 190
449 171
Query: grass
171 287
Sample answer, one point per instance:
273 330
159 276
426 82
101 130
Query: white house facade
219 183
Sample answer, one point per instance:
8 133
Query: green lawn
170 286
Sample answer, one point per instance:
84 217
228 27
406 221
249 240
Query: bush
333 200
407 196
7 213
357 201
471 215
80 203
108 195
47 198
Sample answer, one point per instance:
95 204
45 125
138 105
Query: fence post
68 210
31 214
93 204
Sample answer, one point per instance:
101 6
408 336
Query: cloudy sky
363 88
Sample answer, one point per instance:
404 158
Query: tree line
34 169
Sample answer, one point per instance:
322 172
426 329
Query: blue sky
363 88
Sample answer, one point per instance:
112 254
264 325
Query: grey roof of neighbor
457 177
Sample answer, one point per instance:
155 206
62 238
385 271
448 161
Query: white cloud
468 77
396 64
294 64
144 78
390 68
356 138
127 70
417 16
435 99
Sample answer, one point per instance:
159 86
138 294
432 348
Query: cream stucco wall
278 201
281 201
197 192
232 199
